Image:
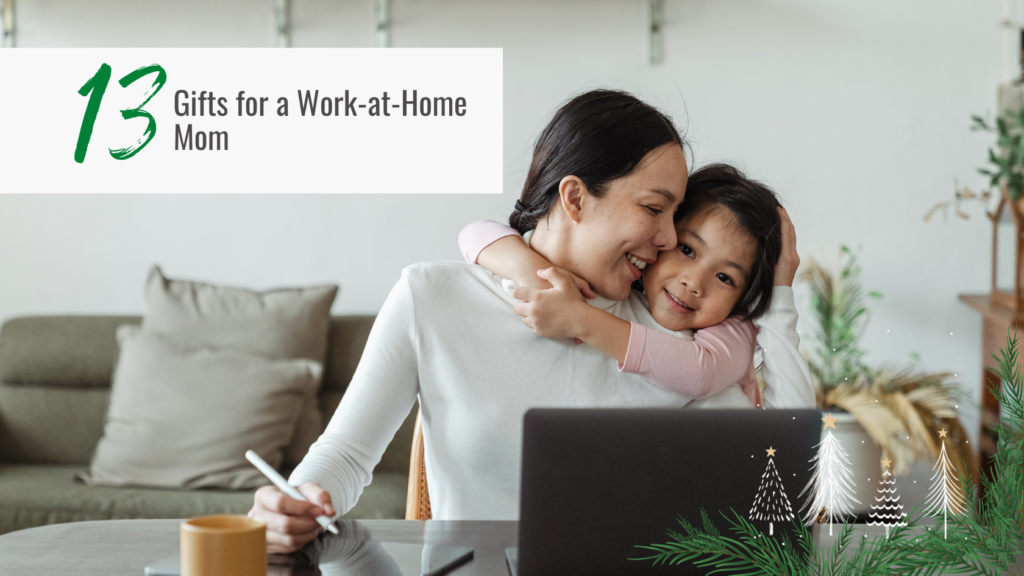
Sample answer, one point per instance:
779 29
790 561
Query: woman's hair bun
597 136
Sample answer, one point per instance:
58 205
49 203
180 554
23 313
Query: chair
417 501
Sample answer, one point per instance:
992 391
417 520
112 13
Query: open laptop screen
598 482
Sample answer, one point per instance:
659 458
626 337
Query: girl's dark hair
597 136
754 206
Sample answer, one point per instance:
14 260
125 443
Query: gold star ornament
942 433
770 451
886 462
829 421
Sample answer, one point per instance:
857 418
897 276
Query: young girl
736 246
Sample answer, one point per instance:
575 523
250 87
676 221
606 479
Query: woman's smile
636 265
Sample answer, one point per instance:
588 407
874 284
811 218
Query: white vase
866 462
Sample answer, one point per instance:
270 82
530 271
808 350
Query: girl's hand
789 260
557 312
538 279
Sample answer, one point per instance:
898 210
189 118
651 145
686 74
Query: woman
607 174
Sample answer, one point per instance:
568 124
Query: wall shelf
282 24
283 30
382 35
655 36
7 16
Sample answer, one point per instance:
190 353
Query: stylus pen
288 489
451 565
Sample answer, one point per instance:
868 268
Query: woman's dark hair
597 136
754 206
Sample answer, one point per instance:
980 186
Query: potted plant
891 412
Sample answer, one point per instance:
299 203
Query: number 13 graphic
97 86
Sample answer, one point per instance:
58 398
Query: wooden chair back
417 502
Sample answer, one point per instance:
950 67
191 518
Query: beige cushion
281 323
183 417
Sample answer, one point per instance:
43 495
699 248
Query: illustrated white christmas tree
945 497
771 502
832 483
888 510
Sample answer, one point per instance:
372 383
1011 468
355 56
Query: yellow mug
223 545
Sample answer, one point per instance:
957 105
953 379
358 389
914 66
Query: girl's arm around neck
479 235
717 357
502 250
606 332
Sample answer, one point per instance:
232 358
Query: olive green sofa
55 376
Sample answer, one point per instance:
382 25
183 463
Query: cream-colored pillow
182 416
281 323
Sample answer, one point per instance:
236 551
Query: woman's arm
787 379
786 376
377 401
340 463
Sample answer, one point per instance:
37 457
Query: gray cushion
280 323
36 495
55 374
183 416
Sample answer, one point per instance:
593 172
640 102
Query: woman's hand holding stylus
291 523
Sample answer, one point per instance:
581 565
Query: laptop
598 482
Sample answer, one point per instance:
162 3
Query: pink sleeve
718 356
479 235
750 387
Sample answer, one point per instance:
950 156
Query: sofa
55 374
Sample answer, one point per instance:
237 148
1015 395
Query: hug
623 280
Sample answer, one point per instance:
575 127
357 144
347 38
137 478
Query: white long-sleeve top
446 333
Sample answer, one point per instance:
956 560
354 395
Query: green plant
1007 159
1005 166
987 540
837 300
901 408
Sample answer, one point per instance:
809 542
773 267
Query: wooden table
996 321
126 547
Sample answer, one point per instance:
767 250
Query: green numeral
97 85
138 112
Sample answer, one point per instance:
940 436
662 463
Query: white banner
344 120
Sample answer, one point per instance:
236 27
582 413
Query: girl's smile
677 303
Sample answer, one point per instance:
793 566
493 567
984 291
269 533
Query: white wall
856 112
